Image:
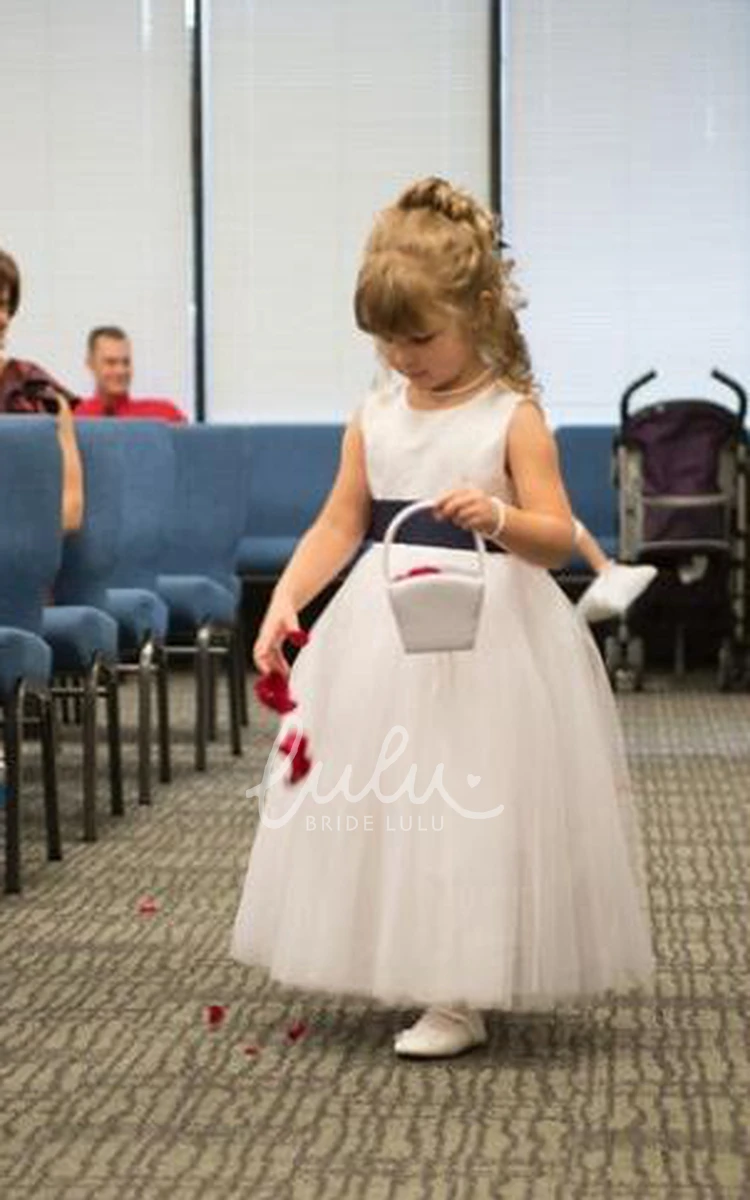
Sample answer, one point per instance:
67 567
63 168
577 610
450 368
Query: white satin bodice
417 453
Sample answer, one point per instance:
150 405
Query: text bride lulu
406 824
309 788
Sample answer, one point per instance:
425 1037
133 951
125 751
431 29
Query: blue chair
289 472
82 635
30 538
586 464
198 580
147 497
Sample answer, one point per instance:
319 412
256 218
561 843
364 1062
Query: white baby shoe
614 590
442 1033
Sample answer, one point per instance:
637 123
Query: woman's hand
280 620
73 493
467 507
64 415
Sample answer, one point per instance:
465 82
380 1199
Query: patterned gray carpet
114 1087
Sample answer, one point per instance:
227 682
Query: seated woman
27 388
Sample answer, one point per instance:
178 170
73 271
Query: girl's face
442 358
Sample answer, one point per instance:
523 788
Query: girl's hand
467 507
280 620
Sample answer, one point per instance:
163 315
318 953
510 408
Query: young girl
489 857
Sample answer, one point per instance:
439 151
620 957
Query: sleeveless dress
512 876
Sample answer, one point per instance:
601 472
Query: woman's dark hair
10 281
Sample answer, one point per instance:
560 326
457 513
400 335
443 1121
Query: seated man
110 361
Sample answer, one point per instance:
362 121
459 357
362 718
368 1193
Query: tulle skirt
468 831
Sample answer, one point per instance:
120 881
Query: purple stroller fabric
681 443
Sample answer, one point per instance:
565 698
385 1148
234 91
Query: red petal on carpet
214 1014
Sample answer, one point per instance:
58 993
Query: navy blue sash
422 529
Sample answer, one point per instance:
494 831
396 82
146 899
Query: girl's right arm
323 551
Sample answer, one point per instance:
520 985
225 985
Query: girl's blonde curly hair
436 253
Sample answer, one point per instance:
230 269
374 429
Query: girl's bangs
387 305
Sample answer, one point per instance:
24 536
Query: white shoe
614 590
442 1033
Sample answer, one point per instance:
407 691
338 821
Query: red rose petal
418 571
298 637
214 1014
296 1031
147 906
293 745
301 766
296 747
272 690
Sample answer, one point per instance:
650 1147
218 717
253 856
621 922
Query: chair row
150 575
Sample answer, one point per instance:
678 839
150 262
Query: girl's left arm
540 528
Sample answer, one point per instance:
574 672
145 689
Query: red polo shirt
125 406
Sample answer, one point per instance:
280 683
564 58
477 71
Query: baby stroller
680 469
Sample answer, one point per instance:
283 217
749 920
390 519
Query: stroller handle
716 374
635 386
738 390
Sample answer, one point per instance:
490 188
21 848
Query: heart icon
473 780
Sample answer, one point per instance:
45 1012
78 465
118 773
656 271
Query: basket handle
404 515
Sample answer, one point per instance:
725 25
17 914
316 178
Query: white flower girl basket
438 611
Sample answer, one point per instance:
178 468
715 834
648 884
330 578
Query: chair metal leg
49 771
63 701
235 695
145 683
202 685
213 677
12 726
162 702
89 683
241 650
114 742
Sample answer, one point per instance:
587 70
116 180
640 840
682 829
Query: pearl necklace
482 377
